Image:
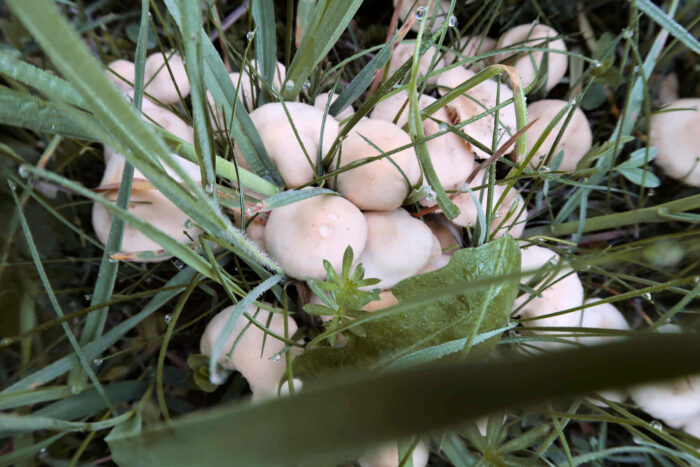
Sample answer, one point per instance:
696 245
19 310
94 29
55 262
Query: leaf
668 23
265 45
292 196
450 319
641 177
638 158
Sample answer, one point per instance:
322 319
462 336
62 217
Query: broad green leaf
451 319
640 177
381 407
638 158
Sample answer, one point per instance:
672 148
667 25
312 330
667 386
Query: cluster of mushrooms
367 214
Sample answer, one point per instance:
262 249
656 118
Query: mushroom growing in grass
675 134
540 36
509 216
379 185
301 235
405 50
250 350
451 155
575 141
121 73
387 455
419 9
160 84
471 46
296 162
398 246
476 101
322 101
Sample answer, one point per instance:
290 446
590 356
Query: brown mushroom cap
535 35
301 235
675 135
160 84
281 143
405 50
378 185
576 141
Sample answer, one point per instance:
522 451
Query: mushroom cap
301 235
159 84
435 263
398 246
437 7
386 299
675 135
404 51
122 74
675 402
693 426
322 100
576 140
476 101
281 143
509 218
255 230
378 185
451 156
603 316
254 353
387 455
471 46
449 239
534 35
668 90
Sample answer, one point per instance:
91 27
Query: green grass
93 349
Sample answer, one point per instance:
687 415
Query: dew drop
167 319
23 171
498 214
657 425
452 22
112 260
572 101
74 389
289 85
97 362
5 341
431 194
209 188
42 452
307 85
442 126
188 224
420 13
651 193
325 230
276 358
88 297
216 378
178 264
544 169
464 188
637 440
12 185
250 35
648 297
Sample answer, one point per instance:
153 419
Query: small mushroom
398 246
121 73
438 8
535 35
478 100
281 142
510 215
301 235
675 134
471 46
322 101
387 455
378 185
576 140
256 354
160 84
451 156
675 402
405 50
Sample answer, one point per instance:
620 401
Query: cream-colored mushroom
478 100
378 185
160 84
405 50
386 299
322 101
451 155
398 246
471 46
438 8
675 134
675 402
446 233
576 140
509 217
121 73
256 355
281 143
387 455
535 35
301 235
255 230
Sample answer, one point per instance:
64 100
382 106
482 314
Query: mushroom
693 427
675 134
470 46
256 354
301 235
509 216
535 35
476 101
398 246
668 90
281 142
255 230
387 455
451 156
122 74
160 84
405 50
576 140
675 402
386 299
378 185
447 234
322 101
438 8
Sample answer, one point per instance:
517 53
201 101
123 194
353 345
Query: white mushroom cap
159 84
445 233
255 230
301 235
476 101
322 101
451 156
405 50
398 246
675 135
435 263
603 316
438 8
258 364
510 215
121 73
693 426
281 143
377 185
387 455
531 35
471 46
675 402
575 142
386 299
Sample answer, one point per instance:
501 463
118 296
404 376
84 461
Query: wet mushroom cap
675 135
576 140
675 402
301 235
378 185
509 217
160 84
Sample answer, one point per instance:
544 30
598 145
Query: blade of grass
265 43
669 24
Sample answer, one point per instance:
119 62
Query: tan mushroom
378 185
301 235
322 101
160 84
121 73
576 140
675 134
535 35
446 233
405 50
510 215
471 46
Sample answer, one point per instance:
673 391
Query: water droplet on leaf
452 22
420 13
250 35
167 318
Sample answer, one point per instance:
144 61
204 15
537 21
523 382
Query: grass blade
265 43
669 24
